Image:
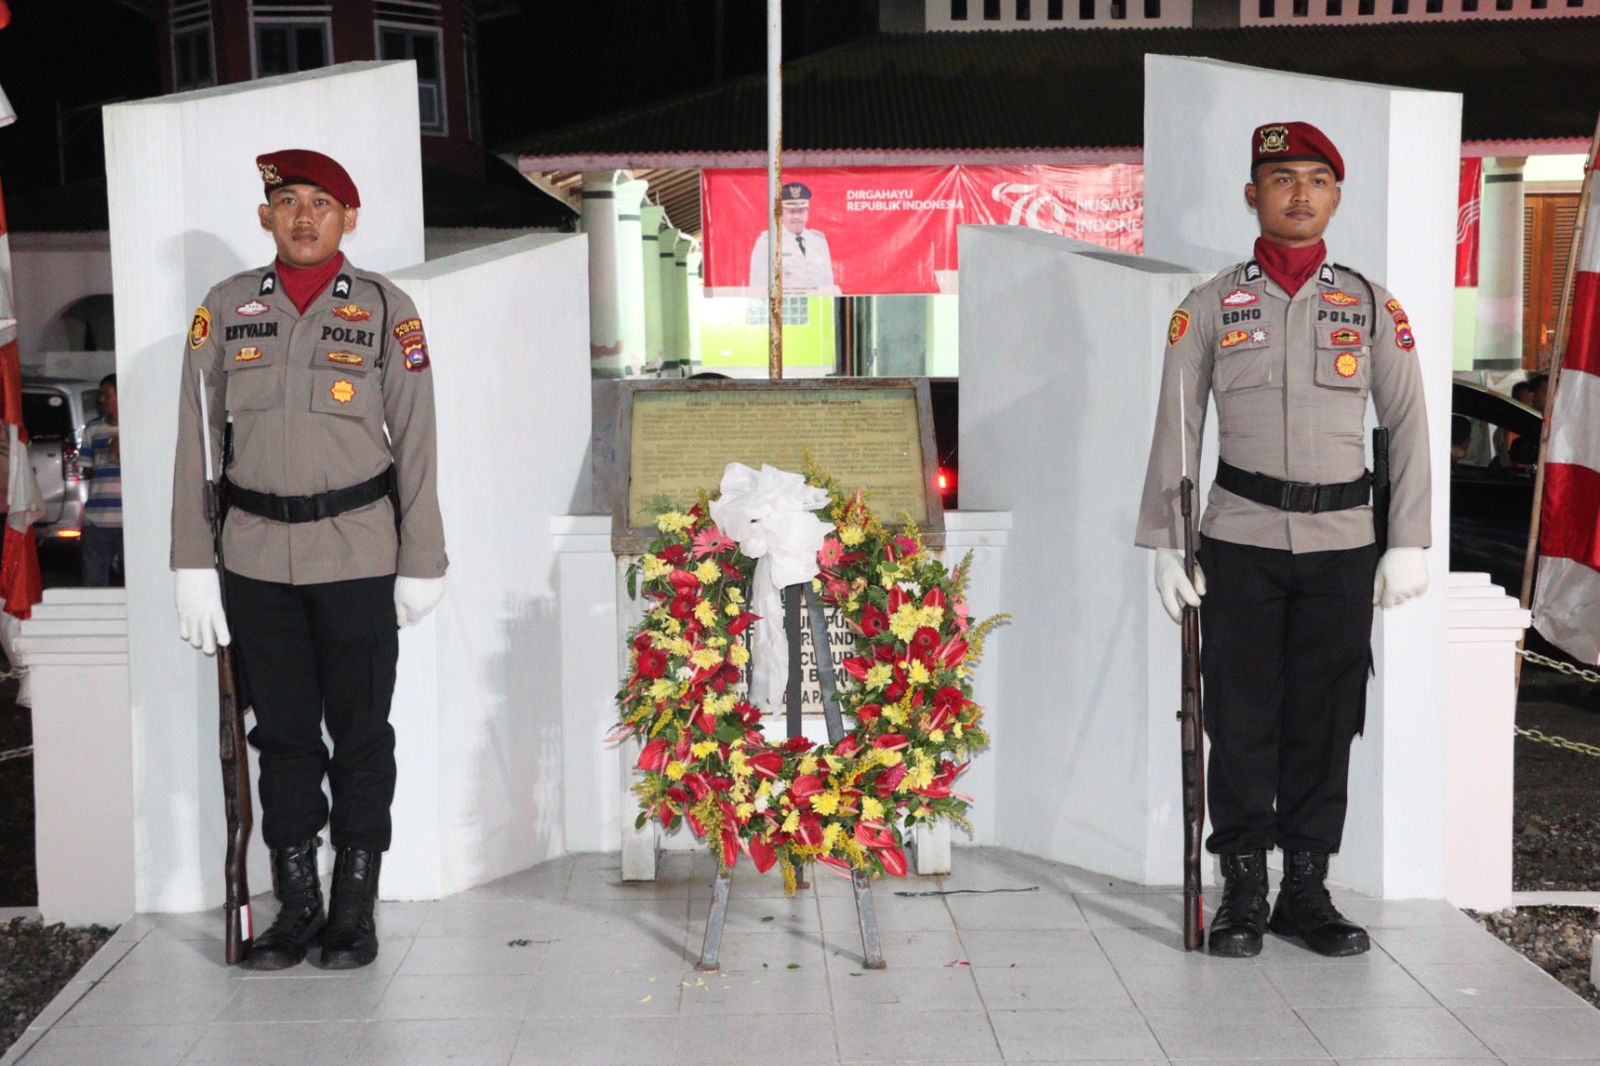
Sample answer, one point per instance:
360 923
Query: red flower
895 692
847 747
704 721
897 599
952 652
810 831
730 571
654 755
892 741
873 620
885 653
838 591
831 553
683 607
698 785
749 713
894 861
948 700
875 835
740 624
676 554
680 750
805 786
652 663
766 763
934 597
907 545
857 667
761 854
730 847
797 745
868 713
891 778
710 541
642 641
924 643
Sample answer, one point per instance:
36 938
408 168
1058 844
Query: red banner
1469 208
880 230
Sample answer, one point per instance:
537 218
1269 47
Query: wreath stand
866 916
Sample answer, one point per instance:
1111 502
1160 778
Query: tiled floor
564 964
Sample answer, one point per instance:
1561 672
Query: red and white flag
1566 600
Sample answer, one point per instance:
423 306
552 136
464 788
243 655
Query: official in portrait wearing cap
1291 347
807 263
314 375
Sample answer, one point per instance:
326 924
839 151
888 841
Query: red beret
300 166
1285 141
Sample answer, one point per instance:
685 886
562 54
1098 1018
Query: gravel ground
1557 939
36 962
1556 824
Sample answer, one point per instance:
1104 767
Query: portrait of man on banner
807 262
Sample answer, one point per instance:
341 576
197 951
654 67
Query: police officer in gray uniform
333 537
1291 347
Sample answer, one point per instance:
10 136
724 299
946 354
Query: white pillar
599 213
666 256
1500 252
680 297
695 293
650 217
630 277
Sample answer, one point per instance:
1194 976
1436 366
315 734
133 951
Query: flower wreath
908 687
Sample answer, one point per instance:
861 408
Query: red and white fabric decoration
1566 601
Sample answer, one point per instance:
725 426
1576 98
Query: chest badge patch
254 307
1177 327
342 391
1346 365
1340 299
247 355
1239 298
352 313
199 327
1345 337
1235 337
1258 335
347 358
1404 337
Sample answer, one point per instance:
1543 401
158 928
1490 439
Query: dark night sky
553 64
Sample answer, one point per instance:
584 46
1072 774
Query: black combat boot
1305 909
1240 923
351 936
300 915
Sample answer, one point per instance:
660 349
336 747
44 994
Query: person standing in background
101 546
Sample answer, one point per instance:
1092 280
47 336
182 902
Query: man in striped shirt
102 515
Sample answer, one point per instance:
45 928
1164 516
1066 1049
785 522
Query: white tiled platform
564 964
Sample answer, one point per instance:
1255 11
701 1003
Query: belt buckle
1299 496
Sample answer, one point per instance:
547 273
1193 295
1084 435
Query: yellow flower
905 622
808 765
733 610
937 736
673 626
879 676
898 713
704 658
850 536
830 836
745 810
919 776
675 770
735 594
871 808
673 522
889 758
703 748
791 823
704 613
957 729
825 802
654 566
708 571
740 764
918 673
663 688
738 655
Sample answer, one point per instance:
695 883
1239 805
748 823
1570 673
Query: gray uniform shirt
319 401
1291 378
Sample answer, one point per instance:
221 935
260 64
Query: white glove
1172 582
414 597
1402 574
201 620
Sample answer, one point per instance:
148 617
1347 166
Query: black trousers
309 654
1285 651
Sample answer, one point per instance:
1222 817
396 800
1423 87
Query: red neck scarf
1289 267
304 284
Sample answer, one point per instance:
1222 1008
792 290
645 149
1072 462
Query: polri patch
342 391
199 327
1346 365
347 358
417 357
352 313
1345 337
1239 298
1234 337
1340 299
1394 309
1404 337
254 307
1177 327
247 355
1274 139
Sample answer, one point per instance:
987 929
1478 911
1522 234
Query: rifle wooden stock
235 779
1192 729
1380 487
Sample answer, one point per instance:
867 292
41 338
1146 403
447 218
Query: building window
1152 9
1402 7
1335 8
192 67
1055 10
425 47
287 47
1366 7
1024 10
991 10
958 10
796 311
1267 9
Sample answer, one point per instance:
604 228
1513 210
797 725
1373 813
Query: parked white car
55 411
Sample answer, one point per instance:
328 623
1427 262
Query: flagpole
774 204
1531 554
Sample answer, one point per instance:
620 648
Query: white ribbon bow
769 515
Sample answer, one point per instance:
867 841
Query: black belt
313 508
1300 496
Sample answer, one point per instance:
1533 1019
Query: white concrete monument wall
1057 400
478 711
183 189
1396 224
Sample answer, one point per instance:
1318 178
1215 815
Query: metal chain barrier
16 753
1591 676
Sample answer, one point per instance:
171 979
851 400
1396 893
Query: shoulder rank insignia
341 287
1252 271
1325 274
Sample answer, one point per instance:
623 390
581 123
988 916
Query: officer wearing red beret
1291 347
314 375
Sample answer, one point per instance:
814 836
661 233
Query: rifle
1192 719
235 759
1380 486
